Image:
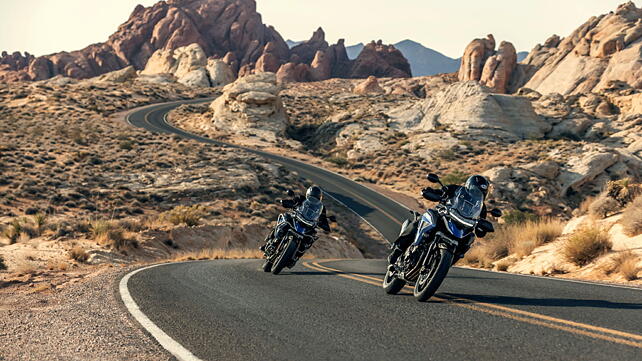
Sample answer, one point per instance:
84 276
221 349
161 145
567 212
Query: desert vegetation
586 244
632 217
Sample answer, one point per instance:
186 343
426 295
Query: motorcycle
298 230
442 236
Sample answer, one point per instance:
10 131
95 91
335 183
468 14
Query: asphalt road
337 310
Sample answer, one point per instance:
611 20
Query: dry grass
13 230
78 254
112 234
519 239
219 253
625 264
184 215
586 244
632 218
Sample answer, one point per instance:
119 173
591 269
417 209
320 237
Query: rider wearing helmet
314 195
473 183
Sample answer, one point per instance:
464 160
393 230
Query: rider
405 238
314 195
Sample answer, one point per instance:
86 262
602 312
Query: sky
46 26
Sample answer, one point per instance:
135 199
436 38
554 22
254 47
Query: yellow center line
506 312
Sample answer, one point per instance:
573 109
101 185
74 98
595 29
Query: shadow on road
548 302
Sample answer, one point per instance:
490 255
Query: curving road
336 310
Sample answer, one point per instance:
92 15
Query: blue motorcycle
440 236
294 233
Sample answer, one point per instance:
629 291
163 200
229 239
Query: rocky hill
604 51
231 30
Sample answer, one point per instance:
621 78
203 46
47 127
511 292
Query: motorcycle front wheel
391 284
285 257
433 275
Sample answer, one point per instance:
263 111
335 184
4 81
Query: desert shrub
40 221
184 215
625 264
584 206
623 191
456 177
632 218
446 154
515 216
126 144
603 207
78 254
585 245
100 229
2 265
13 230
338 161
529 235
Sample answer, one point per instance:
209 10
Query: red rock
381 61
306 51
321 67
499 67
293 72
269 61
475 56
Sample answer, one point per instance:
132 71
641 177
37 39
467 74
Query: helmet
314 193
478 182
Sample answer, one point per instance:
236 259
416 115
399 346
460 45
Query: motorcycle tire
391 284
267 266
285 257
426 288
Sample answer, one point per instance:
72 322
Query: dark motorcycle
294 234
443 235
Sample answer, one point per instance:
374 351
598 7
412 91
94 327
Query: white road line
168 343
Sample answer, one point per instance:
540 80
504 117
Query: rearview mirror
290 193
496 213
433 178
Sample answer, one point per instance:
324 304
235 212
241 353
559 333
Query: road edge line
168 343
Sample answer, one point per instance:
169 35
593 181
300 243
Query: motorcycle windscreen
468 203
310 210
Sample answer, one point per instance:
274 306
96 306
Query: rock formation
472 109
381 61
491 68
231 30
190 66
605 49
369 86
252 103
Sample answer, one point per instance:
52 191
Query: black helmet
314 193
478 182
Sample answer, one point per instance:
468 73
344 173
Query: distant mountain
521 56
354 50
425 61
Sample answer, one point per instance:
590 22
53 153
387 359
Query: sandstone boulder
250 103
219 72
118 76
369 86
473 110
492 68
293 72
196 78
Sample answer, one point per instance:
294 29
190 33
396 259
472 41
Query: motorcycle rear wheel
285 257
391 284
428 283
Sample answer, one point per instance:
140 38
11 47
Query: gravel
85 320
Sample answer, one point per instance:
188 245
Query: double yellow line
532 318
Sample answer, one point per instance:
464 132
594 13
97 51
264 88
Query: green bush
338 161
586 244
515 216
455 177
184 215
